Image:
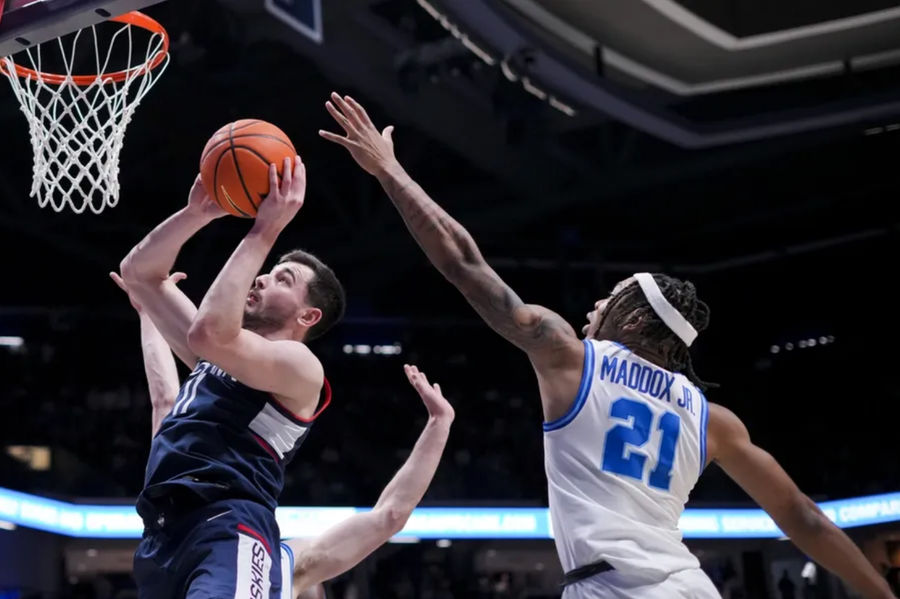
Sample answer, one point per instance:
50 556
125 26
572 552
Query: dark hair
325 291
683 296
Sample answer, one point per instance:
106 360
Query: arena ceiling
659 65
697 46
534 182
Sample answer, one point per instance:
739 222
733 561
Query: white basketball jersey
287 571
621 463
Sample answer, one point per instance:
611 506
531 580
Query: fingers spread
358 110
348 112
341 141
340 118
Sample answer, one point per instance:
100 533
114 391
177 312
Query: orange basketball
235 164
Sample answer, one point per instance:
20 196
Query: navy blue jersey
224 440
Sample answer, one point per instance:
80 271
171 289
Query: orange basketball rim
77 149
135 18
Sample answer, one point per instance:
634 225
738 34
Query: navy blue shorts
222 550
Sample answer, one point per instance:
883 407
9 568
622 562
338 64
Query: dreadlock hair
631 302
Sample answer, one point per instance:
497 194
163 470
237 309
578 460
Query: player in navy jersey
345 544
216 465
626 434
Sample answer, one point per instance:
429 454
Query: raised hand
201 204
175 277
373 151
284 200
438 407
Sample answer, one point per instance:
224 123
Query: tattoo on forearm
424 217
450 247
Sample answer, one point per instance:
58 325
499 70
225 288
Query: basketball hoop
77 122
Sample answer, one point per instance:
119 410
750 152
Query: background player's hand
175 277
201 204
373 151
284 200
438 407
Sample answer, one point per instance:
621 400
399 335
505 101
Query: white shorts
685 584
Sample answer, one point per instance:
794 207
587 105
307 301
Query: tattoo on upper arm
497 303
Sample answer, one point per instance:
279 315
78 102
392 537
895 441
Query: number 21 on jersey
635 433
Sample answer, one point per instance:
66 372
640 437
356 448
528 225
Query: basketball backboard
303 15
25 23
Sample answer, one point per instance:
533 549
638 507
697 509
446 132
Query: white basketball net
77 132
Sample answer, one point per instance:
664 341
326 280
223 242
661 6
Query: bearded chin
263 321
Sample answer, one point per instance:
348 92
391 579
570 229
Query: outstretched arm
146 269
159 365
216 334
757 472
346 544
540 332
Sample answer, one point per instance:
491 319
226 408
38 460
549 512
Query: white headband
674 319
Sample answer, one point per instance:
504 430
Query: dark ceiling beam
506 34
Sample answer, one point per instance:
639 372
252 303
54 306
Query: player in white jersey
345 544
626 437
